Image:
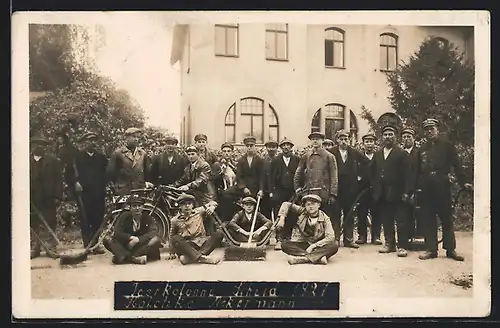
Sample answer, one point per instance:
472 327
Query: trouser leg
445 214
120 251
363 217
211 243
150 248
299 249
348 221
387 212
403 225
186 248
429 220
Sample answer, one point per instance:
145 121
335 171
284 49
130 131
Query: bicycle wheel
161 220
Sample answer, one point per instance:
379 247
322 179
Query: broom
247 251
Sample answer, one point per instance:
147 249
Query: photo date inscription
218 295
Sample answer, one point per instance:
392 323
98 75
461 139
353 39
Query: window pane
230 116
244 126
257 128
270 45
230 133
392 61
387 40
338 52
331 127
220 40
315 124
328 53
282 46
252 106
273 120
334 112
276 27
232 41
273 133
383 57
338 36
352 121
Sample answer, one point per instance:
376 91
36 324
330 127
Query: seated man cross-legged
241 224
313 238
135 239
188 237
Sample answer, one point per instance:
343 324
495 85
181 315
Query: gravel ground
362 273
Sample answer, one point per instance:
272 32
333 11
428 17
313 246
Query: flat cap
171 138
130 131
38 139
313 197
389 128
286 141
135 199
409 131
249 200
191 149
185 198
227 145
271 143
250 140
369 136
200 136
430 122
342 133
88 136
316 135
328 142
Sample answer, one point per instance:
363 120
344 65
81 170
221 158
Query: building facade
282 80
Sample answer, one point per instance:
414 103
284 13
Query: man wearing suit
168 167
436 158
281 187
388 183
266 205
135 239
46 187
349 161
86 174
366 202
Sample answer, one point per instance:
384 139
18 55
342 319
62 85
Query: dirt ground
361 273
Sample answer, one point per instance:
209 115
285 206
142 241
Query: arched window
249 119
388 52
334 47
331 118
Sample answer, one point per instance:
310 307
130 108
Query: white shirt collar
408 150
286 160
37 158
370 156
90 154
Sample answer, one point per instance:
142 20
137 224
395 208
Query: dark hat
135 199
130 131
185 198
430 122
328 142
38 139
286 141
171 138
88 135
408 130
342 133
249 200
249 140
316 135
369 136
271 143
227 145
312 197
191 149
389 128
200 136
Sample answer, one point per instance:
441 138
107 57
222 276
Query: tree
436 82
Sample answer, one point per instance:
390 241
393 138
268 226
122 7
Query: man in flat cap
313 238
318 169
281 187
241 224
389 191
349 164
188 238
86 173
226 178
436 158
46 189
366 202
169 166
136 236
200 142
328 144
249 179
128 166
266 203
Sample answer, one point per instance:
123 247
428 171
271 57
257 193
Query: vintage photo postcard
251 164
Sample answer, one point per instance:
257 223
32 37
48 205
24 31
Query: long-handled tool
50 252
247 251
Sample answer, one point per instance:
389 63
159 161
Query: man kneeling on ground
241 224
313 238
188 238
135 239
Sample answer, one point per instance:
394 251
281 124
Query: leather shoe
377 241
351 245
386 249
361 241
427 255
453 255
402 252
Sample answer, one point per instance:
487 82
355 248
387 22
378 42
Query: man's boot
297 260
454 256
427 255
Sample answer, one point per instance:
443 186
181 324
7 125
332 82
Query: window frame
387 47
226 28
354 131
276 32
226 124
342 32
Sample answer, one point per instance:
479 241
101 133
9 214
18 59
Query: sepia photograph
345 154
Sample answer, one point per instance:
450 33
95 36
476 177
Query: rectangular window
277 41
226 40
329 53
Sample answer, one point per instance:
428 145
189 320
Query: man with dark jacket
436 158
241 224
389 191
349 161
200 142
226 177
169 166
281 187
266 206
318 169
46 185
86 174
135 239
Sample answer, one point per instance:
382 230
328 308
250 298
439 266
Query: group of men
327 179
